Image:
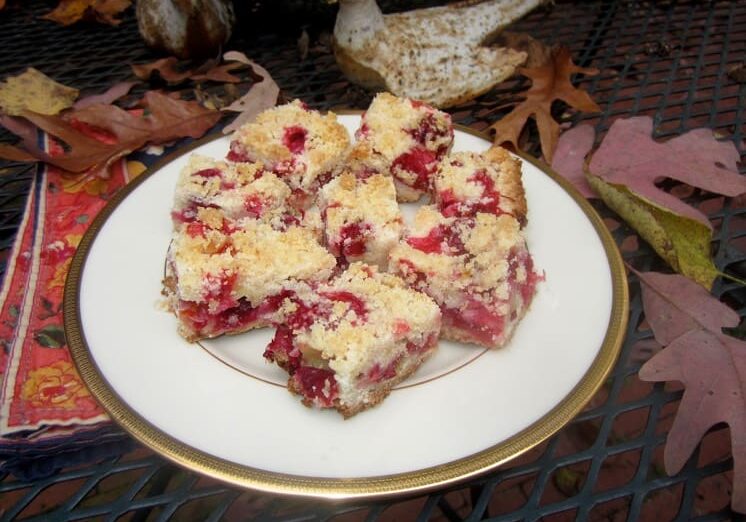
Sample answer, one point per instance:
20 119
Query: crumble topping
300 145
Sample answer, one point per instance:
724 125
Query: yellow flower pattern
55 386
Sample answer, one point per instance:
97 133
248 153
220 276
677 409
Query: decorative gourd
186 28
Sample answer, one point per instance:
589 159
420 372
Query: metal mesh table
668 60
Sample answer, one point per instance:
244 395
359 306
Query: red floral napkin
41 388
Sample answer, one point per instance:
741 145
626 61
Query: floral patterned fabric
41 388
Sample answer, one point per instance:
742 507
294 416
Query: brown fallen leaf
165 67
220 73
262 95
537 52
68 12
99 134
549 83
688 321
174 72
34 91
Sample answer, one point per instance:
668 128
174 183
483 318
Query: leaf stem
733 278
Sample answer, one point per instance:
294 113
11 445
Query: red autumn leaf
688 321
549 83
629 156
569 158
261 96
68 12
167 119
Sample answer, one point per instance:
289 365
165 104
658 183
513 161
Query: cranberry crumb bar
242 190
347 342
468 182
228 277
404 137
362 221
300 145
476 268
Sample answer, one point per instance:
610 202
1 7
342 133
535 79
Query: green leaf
51 336
13 311
684 243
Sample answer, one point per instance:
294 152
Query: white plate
221 409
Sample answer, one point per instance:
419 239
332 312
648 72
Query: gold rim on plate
412 482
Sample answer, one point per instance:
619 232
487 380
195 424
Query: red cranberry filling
317 385
363 131
294 138
240 315
477 320
441 239
209 173
237 153
254 206
418 161
196 228
282 350
488 202
352 239
418 348
527 287
428 131
449 205
356 304
377 374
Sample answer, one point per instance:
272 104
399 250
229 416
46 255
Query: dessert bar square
477 269
241 190
302 146
405 138
228 278
347 342
468 182
362 220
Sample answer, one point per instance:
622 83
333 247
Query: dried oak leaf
167 68
624 170
549 83
111 95
99 134
32 90
262 94
537 52
174 72
688 321
68 12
